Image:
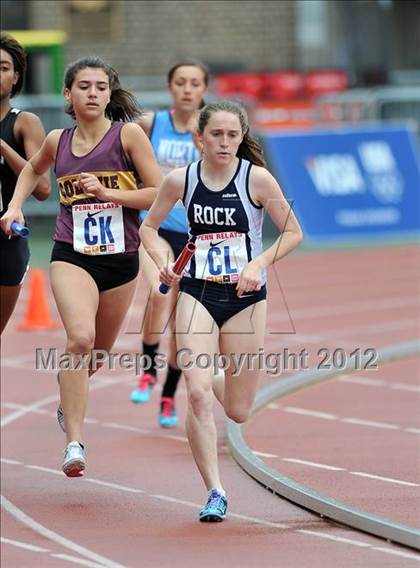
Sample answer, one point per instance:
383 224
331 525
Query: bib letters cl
220 257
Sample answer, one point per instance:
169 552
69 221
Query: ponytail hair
122 105
249 149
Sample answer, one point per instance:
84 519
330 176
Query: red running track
138 503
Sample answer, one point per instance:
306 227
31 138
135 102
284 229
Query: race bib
98 228
220 257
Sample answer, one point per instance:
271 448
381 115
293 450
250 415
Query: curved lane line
55 537
300 494
29 521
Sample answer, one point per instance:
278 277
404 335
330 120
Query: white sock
219 490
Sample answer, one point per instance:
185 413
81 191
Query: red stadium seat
282 85
225 85
250 84
243 85
323 82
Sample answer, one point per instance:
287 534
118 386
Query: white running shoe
74 459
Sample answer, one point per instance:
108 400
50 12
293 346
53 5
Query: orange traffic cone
37 314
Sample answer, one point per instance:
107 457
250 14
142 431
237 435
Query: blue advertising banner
349 182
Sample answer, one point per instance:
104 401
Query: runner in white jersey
222 306
171 135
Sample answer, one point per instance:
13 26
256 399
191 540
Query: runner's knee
80 341
201 401
237 414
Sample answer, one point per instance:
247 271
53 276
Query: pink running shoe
142 393
167 414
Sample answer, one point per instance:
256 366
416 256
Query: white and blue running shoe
215 508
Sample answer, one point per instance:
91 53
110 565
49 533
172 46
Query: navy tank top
226 225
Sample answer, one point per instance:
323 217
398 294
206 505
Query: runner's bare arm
169 193
29 129
146 121
266 191
139 150
28 179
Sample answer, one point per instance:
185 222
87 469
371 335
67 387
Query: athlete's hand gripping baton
20 230
180 263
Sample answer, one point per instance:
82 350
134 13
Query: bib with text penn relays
226 224
92 226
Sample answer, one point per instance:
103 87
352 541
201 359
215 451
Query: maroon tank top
114 170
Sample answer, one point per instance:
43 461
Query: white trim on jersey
254 214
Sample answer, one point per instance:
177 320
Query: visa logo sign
335 174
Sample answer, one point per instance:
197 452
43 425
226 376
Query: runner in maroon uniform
99 166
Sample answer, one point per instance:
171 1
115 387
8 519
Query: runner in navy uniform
222 305
171 135
101 166
21 135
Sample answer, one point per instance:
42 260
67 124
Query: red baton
180 263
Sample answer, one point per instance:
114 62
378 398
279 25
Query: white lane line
375 329
255 520
23 545
346 341
235 515
10 462
272 406
34 407
336 538
88 479
370 423
405 387
378 383
314 464
259 521
21 516
356 421
174 437
27 409
112 425
359 473
45 469
173 500
142 431
14 406
113 485
398 553
55 537
266 523
263 454
362 381
389 479
316 414
322 311
77 560
124 427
